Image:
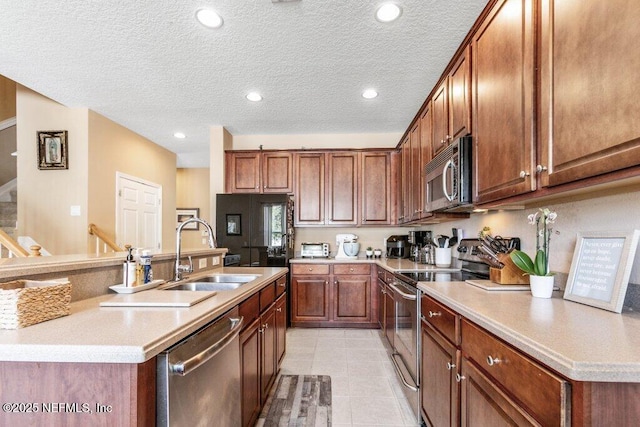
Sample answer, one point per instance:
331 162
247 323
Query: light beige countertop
123 334
580 342
391 264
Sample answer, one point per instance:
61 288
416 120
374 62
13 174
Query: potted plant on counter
369 251
541 280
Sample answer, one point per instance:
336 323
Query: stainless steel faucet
188 268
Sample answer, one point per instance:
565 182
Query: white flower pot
541 286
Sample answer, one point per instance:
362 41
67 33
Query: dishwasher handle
410 297
185 367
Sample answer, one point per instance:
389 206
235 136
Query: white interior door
139 213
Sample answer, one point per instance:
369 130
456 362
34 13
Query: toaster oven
314 250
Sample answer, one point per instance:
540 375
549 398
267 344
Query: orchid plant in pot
540 278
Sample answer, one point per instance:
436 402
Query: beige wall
192 191
114 148
316 141
97 149
8 162
45 196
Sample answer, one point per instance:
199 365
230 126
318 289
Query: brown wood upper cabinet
259 172
451 104
503 98
589 81
342 188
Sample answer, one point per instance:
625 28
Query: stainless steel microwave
314 250
448 178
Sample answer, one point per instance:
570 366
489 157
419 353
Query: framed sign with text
600 269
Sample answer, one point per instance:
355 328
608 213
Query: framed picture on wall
183 214
52 150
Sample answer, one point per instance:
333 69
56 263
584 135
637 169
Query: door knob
541 168
524 174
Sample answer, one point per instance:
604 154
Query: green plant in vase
539 266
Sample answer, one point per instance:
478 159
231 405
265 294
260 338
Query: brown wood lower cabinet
441 392
262 347
336 295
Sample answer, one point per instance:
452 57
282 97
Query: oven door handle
410 297
185 367
400 374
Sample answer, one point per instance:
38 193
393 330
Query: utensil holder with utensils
510 274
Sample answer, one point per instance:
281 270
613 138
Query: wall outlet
202 263
75 210
215 260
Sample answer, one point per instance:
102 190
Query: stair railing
13 248
104 244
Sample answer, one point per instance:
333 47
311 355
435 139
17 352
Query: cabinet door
375 206
281 327
389 315
460 96
416 157
381 304
503 97
309 188
352 298
440 390
268 357
244 173
342 203
589 79
309 299
440 127
405 182
250 373
277 172
426 138
485 404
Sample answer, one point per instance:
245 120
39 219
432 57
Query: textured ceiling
151 67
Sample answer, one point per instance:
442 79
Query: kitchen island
97 366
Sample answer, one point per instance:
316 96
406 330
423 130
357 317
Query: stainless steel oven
406 339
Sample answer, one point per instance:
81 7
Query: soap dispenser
129 268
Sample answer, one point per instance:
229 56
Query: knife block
510 274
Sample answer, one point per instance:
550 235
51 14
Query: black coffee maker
418 240
398 246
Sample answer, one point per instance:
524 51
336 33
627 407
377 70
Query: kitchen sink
214 282
227 278
205 286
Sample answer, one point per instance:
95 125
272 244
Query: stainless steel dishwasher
198 381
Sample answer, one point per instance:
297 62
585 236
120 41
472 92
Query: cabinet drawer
309 269
250 309
281 285
543 394
267 296
441 318
352 269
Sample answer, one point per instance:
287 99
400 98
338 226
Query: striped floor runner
298 401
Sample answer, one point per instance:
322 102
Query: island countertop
582 343
123 334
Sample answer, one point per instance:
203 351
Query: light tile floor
364 387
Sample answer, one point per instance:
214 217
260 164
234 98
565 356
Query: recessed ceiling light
180 135
254 97
388 12
209 18
369 94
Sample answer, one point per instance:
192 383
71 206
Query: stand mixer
348 248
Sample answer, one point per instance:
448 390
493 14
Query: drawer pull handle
434 313
450 366
265 326
459 378
310 268
282 285
492 361
279 309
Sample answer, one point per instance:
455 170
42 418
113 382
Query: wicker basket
27 302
